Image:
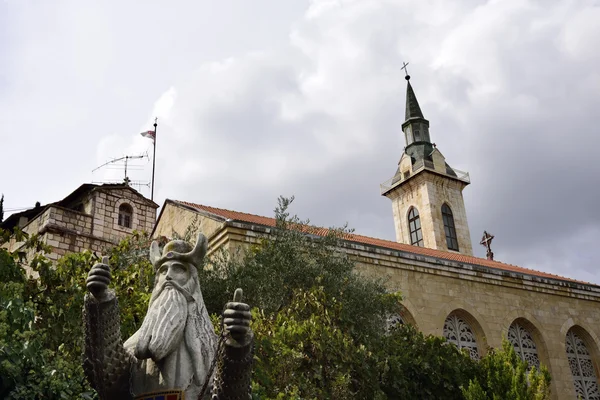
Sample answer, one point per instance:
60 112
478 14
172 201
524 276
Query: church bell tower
426 193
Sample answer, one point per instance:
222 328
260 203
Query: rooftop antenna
126 159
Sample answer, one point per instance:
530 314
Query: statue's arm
234 369
106 362
234 359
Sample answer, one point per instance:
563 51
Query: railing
418 167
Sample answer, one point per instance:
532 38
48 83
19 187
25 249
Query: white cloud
309 101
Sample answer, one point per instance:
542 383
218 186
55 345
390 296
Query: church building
473 302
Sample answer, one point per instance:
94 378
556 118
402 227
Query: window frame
414 228
125 216
449 228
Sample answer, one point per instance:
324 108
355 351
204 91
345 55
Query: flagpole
154 159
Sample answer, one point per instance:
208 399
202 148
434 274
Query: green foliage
292 257
304 352
40 325
319 325
411 362
505 376
2 208
41 332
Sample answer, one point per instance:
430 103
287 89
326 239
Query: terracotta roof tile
387 244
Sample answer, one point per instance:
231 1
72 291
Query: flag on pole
149 135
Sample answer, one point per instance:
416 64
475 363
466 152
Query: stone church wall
488 300
490 303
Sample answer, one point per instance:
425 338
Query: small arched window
125 215
414 226
451 240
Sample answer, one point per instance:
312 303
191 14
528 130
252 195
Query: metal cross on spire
404 65
486 242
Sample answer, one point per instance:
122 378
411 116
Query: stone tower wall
427 192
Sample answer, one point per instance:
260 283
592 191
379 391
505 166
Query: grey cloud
511 91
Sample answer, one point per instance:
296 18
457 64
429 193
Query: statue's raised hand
236 318
99 278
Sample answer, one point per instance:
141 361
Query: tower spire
413 110
412 105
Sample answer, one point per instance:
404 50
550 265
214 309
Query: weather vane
486 242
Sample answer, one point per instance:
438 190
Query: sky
306 98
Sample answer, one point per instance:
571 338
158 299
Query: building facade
473 302
93 218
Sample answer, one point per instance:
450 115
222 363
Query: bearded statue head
177 320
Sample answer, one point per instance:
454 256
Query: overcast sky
262 98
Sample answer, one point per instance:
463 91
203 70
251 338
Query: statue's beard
164 324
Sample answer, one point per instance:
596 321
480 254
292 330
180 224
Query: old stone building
91 218
473 302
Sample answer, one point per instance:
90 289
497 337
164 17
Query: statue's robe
116 373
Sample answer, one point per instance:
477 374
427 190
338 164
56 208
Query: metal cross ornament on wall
486 242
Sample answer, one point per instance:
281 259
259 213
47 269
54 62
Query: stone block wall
444 190
427 192
105 211
489 301
175 219
63 243
95 227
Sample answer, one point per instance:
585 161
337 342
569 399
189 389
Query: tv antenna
124 163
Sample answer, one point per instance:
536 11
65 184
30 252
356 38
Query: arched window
125 215
451 240
582 368
458 332
393 320
524 345
414 225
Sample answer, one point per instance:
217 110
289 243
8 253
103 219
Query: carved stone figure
173 354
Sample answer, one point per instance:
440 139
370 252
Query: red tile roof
461 258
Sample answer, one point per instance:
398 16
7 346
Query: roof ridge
386 243
196 205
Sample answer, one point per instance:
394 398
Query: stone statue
173 354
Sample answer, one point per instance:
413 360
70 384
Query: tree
303 352
411 362
505 376
2 208
41 332
319 325
294 257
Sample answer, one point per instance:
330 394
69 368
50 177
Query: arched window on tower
451 240
414 226
125 215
